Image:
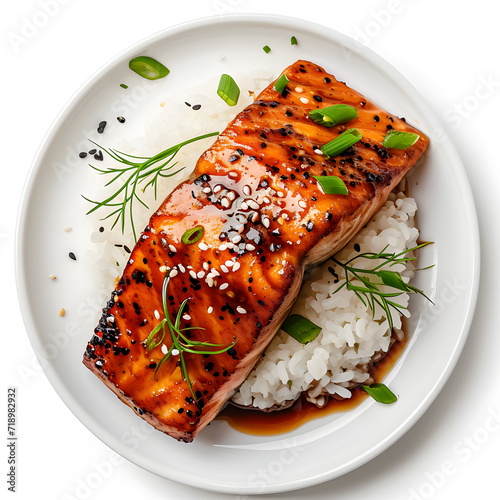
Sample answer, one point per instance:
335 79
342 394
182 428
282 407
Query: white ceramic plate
224 459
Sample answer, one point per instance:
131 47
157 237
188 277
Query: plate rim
343 40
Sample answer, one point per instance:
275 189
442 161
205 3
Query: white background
448 50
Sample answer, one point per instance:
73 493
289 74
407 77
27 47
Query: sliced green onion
228 90
293 40
345 140
266 49
149 68
333 115
332 184
123 86
380 393
394 279
281 83
400 140
192 235
300 328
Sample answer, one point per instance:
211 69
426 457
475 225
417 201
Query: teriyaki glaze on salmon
224 254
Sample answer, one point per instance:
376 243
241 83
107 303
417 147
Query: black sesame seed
101 229
99 156
233 158
263 145
92 151
288 113
196 107
317 98
72 256
352 184
120 119
82 154
376 118
180 410
310 226
357 247
152 365
327 80
101 127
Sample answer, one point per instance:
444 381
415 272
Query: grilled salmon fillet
264 219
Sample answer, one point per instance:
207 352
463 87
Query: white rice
351 336
338 359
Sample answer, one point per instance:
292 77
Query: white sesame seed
215 272
280 194
209 281
236 266
217 188
210 310
174 273
192 274
52 276
255 216
186 317
225 202
304 100
233 174
164 349
224 269
302 204
223 247
267 200
202 246
247 190
236 239
206 266
249 247
229 263
172 248
299 90
175 352
223 286
231 195
163 269
157 314
182 269
253 204
200 275
68 229
244 205
266 222
241 228
241 310
207 190
110 319
318 151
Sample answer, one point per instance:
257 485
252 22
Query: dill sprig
132 174
370 292
180 343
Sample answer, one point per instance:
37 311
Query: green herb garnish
266 49
370 292
300 328
332 184
293 40
397 139
228 90
149 68
123 86
380 393
281 83
192 235
134 173
333 115
342 142
180 342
